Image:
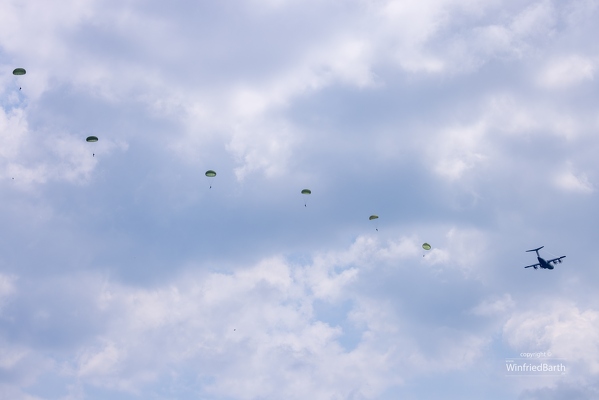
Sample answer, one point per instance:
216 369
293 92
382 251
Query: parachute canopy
373 217
426 246
91 139
19 71
210 173
306 192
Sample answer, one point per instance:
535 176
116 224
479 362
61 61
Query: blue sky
471 125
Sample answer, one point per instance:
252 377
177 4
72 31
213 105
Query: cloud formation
467 125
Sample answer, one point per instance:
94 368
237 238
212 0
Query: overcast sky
126 273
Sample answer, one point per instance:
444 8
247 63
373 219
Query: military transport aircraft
542 263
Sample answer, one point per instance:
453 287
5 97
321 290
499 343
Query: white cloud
24 365
254 332
467 248
570 182
538 19
7 290
7 287
10 356
250 113
509 115
560 328
566 72
261 146
8 392
263 85
100 362
458 150
33 157
496 306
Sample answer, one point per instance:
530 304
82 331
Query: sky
126 273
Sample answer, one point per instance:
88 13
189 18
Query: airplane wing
535 266
556 260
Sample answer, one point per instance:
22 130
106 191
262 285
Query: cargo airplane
545 264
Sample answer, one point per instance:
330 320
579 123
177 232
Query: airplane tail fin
535 249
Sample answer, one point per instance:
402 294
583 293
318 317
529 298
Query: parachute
92 139
306 192
373 217
19 71
426 247
210 174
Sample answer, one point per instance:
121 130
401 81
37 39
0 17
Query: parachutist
210 174
306 192
92 139
19 71
372 217
426 247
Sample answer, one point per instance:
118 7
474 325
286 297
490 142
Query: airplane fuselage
544 264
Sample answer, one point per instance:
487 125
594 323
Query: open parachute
306 192
426 247
210 174
18 72
92 139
